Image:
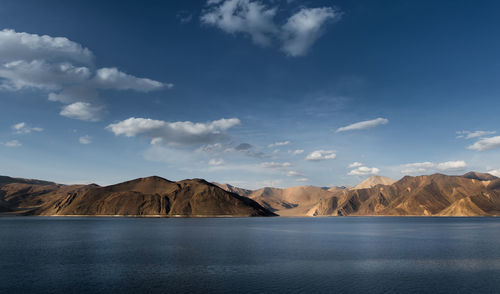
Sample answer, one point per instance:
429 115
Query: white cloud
296 152
176 133
452 165
294 173
303 28
63 68
495 172
364 124
184 16
321 155
474 134
302 180
85 140
486 144
112 78
216 162
13 144
272 164
23 128
24 46
363 171
242 16
256 19
422 167
19 74
276 144
355 164
83 111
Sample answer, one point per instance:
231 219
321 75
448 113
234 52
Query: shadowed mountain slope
155 196
233 189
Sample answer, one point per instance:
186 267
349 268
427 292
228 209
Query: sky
246 92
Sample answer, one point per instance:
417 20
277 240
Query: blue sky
252 93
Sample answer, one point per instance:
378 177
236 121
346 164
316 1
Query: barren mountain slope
155 196
423 195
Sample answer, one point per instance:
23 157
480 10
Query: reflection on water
253 255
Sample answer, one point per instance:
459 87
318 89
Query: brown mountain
295 201
155 196
374 181
423 195
480 176
233 189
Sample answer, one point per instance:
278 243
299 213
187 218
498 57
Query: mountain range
471 194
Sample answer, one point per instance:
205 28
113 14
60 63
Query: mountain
374 181
233 189
22 196
155 196
8 180
422 195
472 194
479 176
295 201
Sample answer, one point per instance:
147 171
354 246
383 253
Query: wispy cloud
363 171
486 144
24 128
320 155
64 69
13 144
367 124
296 152
474 134
173 133
257 20
272 164
355 164
277 144
422 167
85 140
495 172
216 161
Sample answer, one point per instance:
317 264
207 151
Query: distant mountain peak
374 181
479 176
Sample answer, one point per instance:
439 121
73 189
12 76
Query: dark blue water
252 255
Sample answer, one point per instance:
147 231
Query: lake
249 255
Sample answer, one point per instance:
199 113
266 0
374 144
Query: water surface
252 255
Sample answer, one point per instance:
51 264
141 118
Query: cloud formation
363 171
13 144
495 172
277 144
355 164
62 68
486 144
216 161
302 29
272 164
294 173
85 140
257 20
320 155
23 128
173 133
422 167
296 152
474 134
367 124
83 111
